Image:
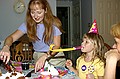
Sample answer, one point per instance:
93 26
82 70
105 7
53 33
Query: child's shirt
95 67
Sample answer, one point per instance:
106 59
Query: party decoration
91 69
65 49
94 28
83 67
50 68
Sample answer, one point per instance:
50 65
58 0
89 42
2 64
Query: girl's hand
90 76
5 54
68 64
40 62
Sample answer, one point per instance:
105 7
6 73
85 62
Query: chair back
24 52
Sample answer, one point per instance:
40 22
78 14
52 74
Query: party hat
94 28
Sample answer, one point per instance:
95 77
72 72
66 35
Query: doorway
63 13
71 10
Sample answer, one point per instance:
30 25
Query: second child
90 65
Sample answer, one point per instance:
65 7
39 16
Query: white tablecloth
69 75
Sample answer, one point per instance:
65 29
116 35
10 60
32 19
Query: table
68 75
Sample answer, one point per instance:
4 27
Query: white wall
53 5
10 21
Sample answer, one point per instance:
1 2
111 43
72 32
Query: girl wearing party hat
90 65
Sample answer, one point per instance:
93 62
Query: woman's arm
110 68
5 52
40 62
112 57
57 41
13 37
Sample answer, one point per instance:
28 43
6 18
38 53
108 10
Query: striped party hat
94 28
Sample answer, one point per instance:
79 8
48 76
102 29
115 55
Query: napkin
50 68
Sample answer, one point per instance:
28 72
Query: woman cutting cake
43 29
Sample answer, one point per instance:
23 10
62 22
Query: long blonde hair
48 21
99 45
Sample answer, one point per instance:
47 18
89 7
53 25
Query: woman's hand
40 62
5 54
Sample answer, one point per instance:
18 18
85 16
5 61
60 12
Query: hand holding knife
10 67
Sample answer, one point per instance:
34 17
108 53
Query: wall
10 21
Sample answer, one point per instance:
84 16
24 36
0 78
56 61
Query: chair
107 46
13 49
19 55
24 52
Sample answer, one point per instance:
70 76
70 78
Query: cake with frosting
12 75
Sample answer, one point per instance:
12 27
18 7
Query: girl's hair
98 43
115 30
48 21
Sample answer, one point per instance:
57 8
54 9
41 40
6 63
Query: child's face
37 13
117 44
87 45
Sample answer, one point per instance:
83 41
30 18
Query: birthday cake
12 75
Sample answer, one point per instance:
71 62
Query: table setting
47 72
50 72
26 69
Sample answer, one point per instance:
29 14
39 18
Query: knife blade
11 66
29 74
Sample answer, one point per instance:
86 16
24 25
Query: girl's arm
70 67
73 70
100 77
91 76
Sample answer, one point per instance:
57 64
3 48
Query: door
64 14
76 29
107 13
